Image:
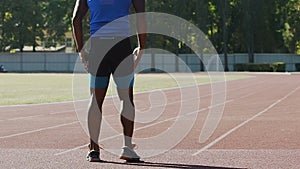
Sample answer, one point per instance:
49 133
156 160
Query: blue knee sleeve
99 81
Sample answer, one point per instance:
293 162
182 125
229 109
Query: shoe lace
134 146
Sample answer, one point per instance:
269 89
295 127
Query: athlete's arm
79 12
139 6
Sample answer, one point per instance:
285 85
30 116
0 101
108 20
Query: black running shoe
93 156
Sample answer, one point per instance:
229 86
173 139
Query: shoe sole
131 160
93 159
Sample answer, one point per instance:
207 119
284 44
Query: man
110 54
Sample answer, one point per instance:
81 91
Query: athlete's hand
83 56
137 52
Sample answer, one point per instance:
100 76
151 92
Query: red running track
259 129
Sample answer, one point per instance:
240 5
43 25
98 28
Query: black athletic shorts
111 55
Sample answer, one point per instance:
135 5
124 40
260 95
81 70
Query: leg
99 69
95 116
123 74
127 119
127 114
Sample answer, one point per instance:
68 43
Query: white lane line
52 127
136 93
147 126
153 124
178 101
111 97
245 122
73 149
28 132
54 113
78 121
247 95
105 105
61 112
24 117
38 104
192 99
83 100
37 130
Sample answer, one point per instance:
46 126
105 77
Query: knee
128 110
95 103
127 105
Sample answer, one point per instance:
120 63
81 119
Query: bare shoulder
80 9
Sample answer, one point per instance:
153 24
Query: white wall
64 62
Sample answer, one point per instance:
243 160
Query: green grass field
44 88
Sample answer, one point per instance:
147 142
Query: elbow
76 21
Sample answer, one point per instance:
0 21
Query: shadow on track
166 165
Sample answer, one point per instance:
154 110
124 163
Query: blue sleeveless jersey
103 12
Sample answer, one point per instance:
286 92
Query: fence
65 62
38 62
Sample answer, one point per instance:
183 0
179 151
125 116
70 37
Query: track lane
232 151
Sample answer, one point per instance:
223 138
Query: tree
250 26
225 35
19 24
288 16
5 24
57 20
27 18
